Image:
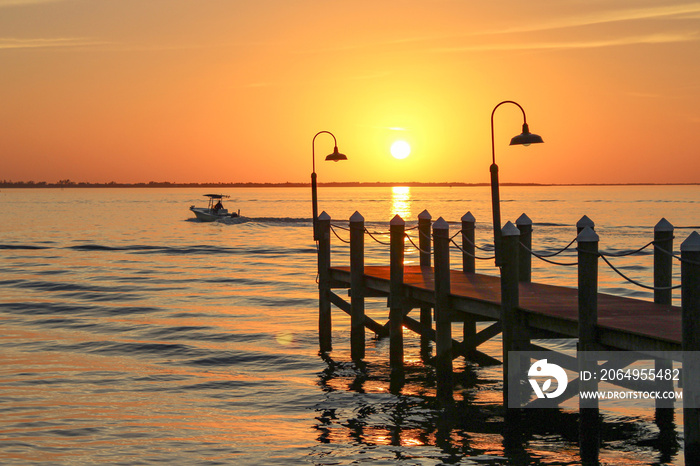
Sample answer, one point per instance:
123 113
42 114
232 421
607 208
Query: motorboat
215 209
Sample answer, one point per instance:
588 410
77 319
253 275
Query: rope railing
675 256
410 240
465 238
626 253
371 235
333 227
470 254
631 280
647 287
544 257
540 255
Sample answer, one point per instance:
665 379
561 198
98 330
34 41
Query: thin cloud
11 3
11 43
661 38
689 11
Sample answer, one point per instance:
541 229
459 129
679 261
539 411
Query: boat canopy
217 196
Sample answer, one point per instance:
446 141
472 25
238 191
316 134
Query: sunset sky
235 90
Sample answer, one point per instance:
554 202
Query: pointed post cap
691 243
397 220
587 235
663 225
585 222
324 216
356 217
440 224
510 230
523 220
468 217
425 215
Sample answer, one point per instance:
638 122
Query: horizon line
168 184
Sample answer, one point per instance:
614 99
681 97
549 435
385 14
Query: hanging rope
410 240
375 239
628 253
541 256
675 256
470 254
655 288
338 236
481 248
544 257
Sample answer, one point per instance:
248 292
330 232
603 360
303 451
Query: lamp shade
526 138
336 156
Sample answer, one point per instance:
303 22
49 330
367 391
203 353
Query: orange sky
234 91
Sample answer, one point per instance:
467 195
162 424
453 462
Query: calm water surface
132 334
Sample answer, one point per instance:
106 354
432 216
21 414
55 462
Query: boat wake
261 220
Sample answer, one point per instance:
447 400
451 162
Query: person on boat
218 206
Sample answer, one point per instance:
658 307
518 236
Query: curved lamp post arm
313 147
525 127
525 138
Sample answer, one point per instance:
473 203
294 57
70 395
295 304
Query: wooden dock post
324 281
397 228
468 242
663 273
589 427
357 295
690 304
524 224
424 222
443 321
583 223
426 319
469 266
510 300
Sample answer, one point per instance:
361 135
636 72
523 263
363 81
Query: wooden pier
512 305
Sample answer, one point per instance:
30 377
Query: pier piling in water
589 419
426 318
663 294
397 228
690 303
510 299
323 228
357 295
443 318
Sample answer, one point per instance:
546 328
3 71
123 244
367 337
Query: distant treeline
167 184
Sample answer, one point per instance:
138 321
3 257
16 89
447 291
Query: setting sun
400 149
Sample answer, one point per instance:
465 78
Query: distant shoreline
153 184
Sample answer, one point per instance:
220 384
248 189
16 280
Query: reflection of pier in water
413 417
520 311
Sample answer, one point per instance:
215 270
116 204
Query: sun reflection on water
401 201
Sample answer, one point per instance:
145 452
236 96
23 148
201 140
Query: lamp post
335 156
525 139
